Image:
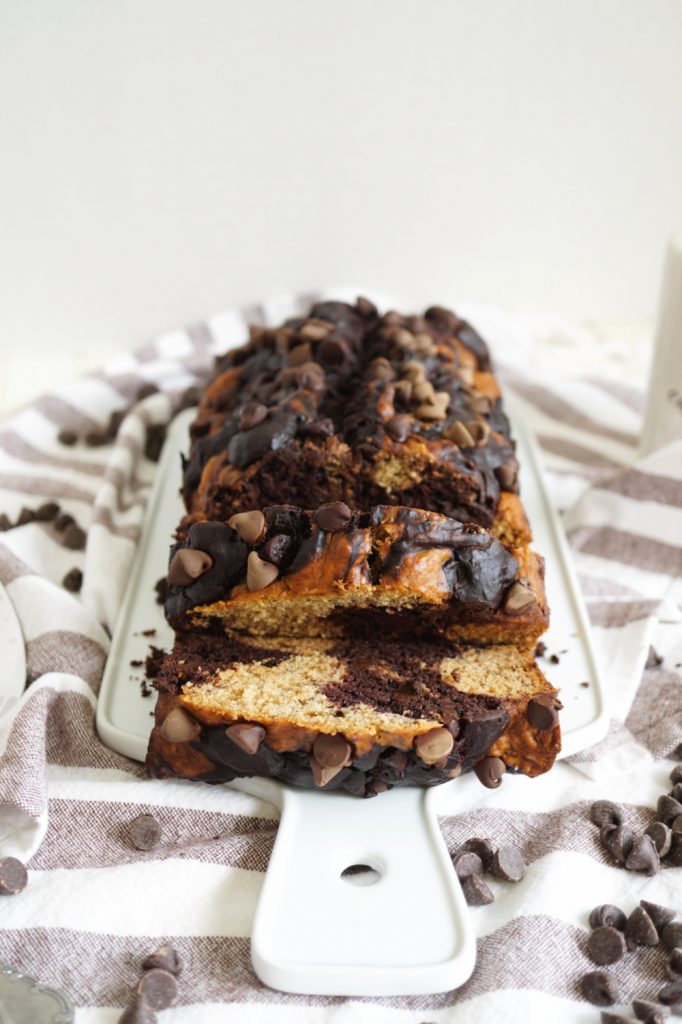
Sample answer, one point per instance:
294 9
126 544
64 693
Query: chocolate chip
667 809
331 751
155 437
146 391
482 848
13 876
618 840
671 995
600 988
671 934
246 735
67 437
520 597
259 574
74 538
643 856
661 916
300 354
144 832
423 391
605 945
323 774
96 438
479 430
333 516
166 958
649 1013
640 929
603 812
63 521
434 745
402 337
413 371
252 414
249 526
676 792
380 369
541 713
334 351
158 988
138 1013
315 331
436 408
476 892
613 1018
490 771
508 864
73 580
676 827
277 549
179 727
676 774
27 515
662 837
188 565
607 914
5 522
458 433
398 427
402 390
47 511
365 307
311 377
653 660
467 863
674 966
376 786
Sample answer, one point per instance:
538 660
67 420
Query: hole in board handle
361 874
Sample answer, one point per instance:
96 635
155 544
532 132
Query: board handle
320 931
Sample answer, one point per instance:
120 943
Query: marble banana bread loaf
345 405
333 572
349 715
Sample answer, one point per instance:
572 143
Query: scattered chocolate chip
435 408
662 837
74 537
600 988
188 565
676 792
67 437
603 812
554 659
640 929
315 331
489 771
402 390
667 809
583 685
5 522
671 995
146 391
649 1013
434 745
277 549
676 774
607 914
613 1018
398 427
138 1013
643 856
96 437
158 988
618 840
73 580
27 515
479 430
380 369
541 713
179 727
661 916
252 414
676 826
508 864
259 574
322 774
458 433
476 892
331 751
166 958
467 863
376 786
13 876
424 391
653 660
334 351
540 649
671 934
674 966
520 597
160 590
156 435
605 945
365 307
144 832
47 511
508 478
63 521
482 848
413 371
249 526
333 516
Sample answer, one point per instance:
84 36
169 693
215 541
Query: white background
163 159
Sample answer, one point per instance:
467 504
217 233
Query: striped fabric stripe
95 906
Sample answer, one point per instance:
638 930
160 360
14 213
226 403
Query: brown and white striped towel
93 906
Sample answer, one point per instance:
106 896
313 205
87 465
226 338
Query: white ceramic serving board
313 931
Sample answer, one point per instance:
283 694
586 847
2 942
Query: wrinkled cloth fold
94 906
